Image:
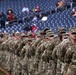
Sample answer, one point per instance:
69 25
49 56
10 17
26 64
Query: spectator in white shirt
25 10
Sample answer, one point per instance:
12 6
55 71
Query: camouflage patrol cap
17 33
38 34
42 32
23 34
66 35
48 31
61 30
72 30
5 33
29 34
45 29
30 39
49 34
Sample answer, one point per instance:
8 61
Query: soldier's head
17 33
23 35
5 34
45 29
72 33
65 36
38 36
49 35
29 34
61 31
42 34
29 40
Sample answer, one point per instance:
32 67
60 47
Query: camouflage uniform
70 55
44 66
27 58
62 52
56 41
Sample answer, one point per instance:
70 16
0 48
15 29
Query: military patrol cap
38 34
17 33
72 30
45 29
48 31
66 35
23 34
49 34
61 30
30 39
5 33
29 34
42 32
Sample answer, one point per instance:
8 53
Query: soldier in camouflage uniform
27 56
23 42
65 36
56 41
70 56
45 64
63 51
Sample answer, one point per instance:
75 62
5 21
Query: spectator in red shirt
10 14
11 17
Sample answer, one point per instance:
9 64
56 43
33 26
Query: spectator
25 10
2 20
11 16
34 28
37 9
73 3
73 13
34 18
28 28
40 16
61 5
73 0
44 18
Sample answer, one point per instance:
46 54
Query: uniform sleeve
59 52
68 56
54 55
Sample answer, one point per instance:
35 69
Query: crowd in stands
11 17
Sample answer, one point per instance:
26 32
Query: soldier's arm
68 56
59 52
54 55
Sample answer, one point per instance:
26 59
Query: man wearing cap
65 53
23 42
27 56
41 53
65 36
55 41
46 55
71 53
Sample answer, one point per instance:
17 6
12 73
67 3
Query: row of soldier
46 54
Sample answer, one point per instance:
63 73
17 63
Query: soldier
63 51
44 63
23 42
70 56
65 36
27 55
56 41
